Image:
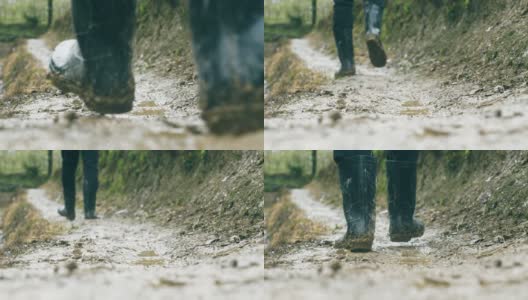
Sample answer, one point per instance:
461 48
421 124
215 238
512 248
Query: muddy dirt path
115 258
439 265
166 116
385 109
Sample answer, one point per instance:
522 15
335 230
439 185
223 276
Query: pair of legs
343 28
357 175
228 39
70 160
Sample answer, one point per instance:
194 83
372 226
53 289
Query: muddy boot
401 176
345 51
357 177
98 66
228 40
343 27
70 215
373 18
90 182
70 159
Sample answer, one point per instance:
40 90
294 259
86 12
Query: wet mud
419 112
113 258
439 265
166 116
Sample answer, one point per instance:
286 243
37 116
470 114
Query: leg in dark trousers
105 31
357 178
373 23
90 182
401 181
70 160
228 39
343 28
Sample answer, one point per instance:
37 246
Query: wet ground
439 265
116 258
387 109
166 116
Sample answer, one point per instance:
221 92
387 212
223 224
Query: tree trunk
314 12
50 162
50 12
314 163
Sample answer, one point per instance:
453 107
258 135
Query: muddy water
435 266
419 112
166 116
114 258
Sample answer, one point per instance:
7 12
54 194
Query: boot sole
230 117
105 105
344 74
355 245
402 238
377 54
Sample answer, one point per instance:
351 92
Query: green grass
12 32
274 32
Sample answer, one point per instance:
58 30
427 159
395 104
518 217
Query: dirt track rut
166 116
386 109
118 258
439 265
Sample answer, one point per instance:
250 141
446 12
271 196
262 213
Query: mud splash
121 258
166 116
435 266
419 112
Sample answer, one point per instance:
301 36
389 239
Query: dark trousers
70 160
344 14
406 156
105 31
228 39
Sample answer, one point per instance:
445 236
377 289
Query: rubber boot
401 176
358 186
105 31
228 40
70 160
345 51
343 27
90 182
373 18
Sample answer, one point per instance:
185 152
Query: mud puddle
123 259
419 112
435 266
166 116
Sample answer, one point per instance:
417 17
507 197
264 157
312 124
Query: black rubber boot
357 177
343 27
401 176
70 160
105 31
228 40
345 51
90 182
373 18
70 215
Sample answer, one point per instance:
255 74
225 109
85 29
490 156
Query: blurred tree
50 162
314 12
50 12
314 163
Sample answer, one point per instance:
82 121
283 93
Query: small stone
498 239
497 263
71 267
234 239
499 89
234 263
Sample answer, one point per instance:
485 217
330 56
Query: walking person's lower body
343 34
357 175
228 39
70 161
